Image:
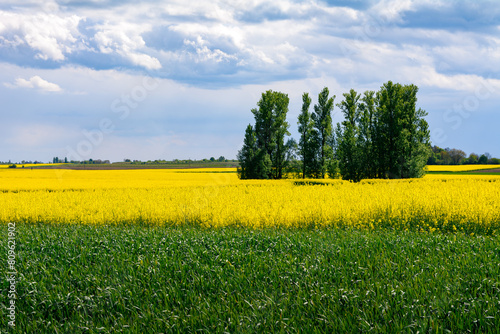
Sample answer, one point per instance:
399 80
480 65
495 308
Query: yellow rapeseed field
216 198
29 165
459 168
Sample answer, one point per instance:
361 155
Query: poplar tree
402 132
306 143
348 150
367 134
247 155
280 130
383 135
322 120
271 127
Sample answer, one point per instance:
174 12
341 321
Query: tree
456 156
292 168
348 150
383 135
306 144
388 112
322 119
438 156
264 122
280 127
414 136
269 150
483 159
367 135
473 158
402 132
263 167
247 155
445 158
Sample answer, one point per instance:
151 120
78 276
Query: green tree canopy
383 135
268 153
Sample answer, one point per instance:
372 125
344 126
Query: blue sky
109 79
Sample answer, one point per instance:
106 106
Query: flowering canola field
30 165
217 198
459 168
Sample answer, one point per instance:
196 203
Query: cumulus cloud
225 53
125 40
204 53
461 82
222 42
35 82
50 36
392 10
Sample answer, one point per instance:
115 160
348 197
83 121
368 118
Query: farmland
107 251
217 198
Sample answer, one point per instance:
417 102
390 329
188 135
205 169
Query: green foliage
483 160
263 165
292 167
332 168
322 120
269 151
405 130
349 150
307 143
472 159
383 135
367 133
447 156
247 155
280 127
80 279
439 156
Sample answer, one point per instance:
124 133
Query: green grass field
80 279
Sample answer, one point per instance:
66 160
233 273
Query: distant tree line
453 156
90 162
22 162
56 160
177 161
383 135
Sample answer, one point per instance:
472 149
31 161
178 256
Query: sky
172 79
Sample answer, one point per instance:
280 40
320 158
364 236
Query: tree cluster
264 152
453 156
383 135
56 160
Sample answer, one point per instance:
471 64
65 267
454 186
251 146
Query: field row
80 279
470 205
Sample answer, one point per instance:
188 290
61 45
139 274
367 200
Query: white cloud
460 82
391 10
226 52
203 53
49 35
125 39
36 83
